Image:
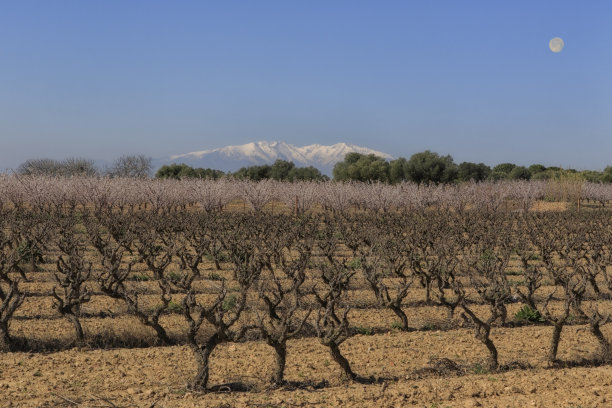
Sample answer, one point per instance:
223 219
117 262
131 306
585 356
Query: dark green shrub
528 314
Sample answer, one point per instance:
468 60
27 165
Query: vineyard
121 292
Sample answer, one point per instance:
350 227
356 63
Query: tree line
421 168
281 170
131 166
430 167
140 166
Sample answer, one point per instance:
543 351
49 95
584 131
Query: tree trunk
33 264
334 350
554 342
400 313
161 334
483 333
593 283
604 344
5 339
159 330
153 323
280 359
427 291
530 300
202 353
493 364
503 314
78 329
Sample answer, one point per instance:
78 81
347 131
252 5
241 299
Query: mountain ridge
231 158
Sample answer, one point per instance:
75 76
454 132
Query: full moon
556 44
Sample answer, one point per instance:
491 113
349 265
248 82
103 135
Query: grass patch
229 302
139 277
479 369
364 330
175 307
396 325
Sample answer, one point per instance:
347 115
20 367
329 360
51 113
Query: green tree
430 167
498 175
607 175
361 167
520 173
183 171
306 173
592 176
543 175
468 171
504 168
280 169
536 168
174 171
397 170
208 173
255 173
353 157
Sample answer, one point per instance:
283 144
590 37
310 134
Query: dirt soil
397 366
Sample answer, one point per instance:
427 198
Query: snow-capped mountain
231 158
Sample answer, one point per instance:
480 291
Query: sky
473 79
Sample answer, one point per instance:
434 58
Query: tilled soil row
395 365
123 330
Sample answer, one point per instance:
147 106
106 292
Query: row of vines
293 273
210 195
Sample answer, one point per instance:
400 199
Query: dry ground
156 376
397 368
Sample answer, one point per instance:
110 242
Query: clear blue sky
474 79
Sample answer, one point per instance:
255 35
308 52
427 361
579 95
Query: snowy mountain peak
231 158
